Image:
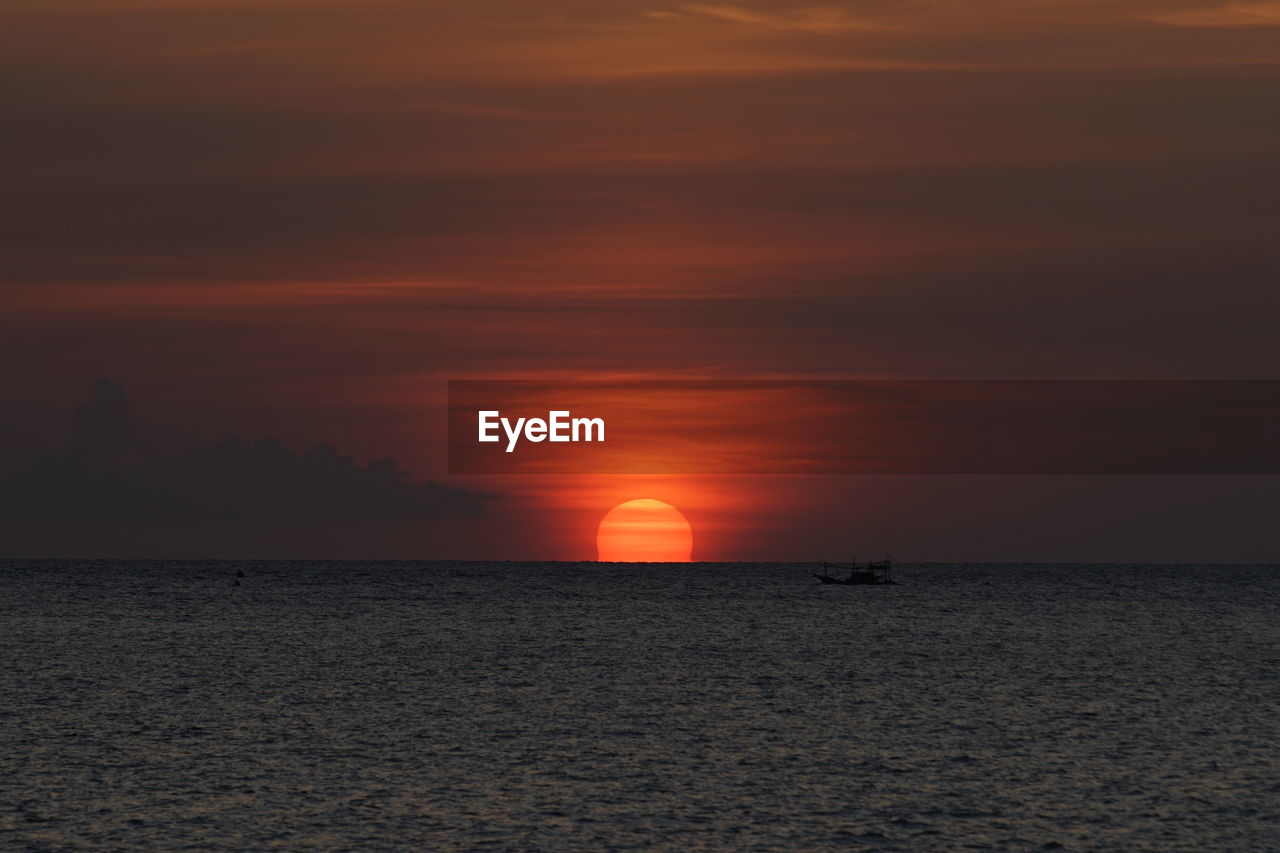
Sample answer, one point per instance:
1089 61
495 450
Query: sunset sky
297 219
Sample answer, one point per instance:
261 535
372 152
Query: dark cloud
102 479
104 427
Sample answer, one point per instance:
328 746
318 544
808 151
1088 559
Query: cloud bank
104 479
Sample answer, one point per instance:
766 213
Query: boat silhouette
873 573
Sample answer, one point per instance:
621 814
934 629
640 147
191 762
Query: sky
297 219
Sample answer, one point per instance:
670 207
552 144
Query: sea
590 706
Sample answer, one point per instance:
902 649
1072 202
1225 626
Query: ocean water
556 706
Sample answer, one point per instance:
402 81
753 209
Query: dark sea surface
560 706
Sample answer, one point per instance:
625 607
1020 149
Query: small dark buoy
240 573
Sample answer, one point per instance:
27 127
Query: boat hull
855 580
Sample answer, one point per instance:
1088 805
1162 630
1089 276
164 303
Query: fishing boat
878 572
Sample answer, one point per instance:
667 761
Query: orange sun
644 531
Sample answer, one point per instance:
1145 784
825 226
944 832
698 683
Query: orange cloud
1265 13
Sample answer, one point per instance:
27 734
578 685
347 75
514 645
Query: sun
644 531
